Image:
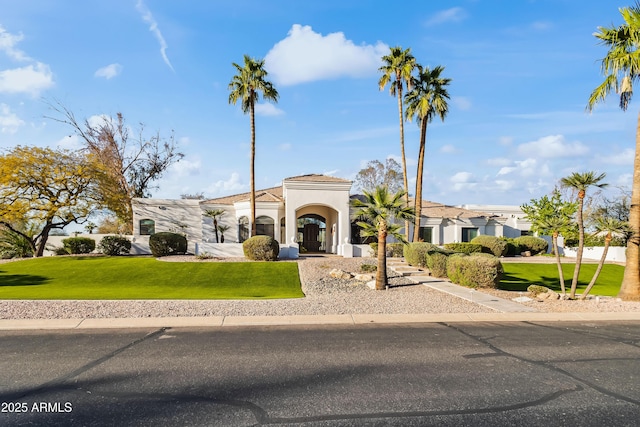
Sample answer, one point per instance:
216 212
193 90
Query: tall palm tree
581 182
377 213
621 67
426 99
397 69
607 228
247 86
215 214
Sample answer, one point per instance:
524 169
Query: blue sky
521 75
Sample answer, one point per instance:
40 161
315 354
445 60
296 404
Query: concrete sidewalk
340 319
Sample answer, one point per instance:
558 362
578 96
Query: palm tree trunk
252 178
576 270
607 241
381 274
215 227
554 242
630 288
405 180
418 197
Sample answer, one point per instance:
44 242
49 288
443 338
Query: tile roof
316 178
438 210
273 194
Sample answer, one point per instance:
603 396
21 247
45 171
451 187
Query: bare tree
131 164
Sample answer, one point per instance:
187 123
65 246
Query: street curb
342 319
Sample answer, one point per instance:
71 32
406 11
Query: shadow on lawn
21 280
515 283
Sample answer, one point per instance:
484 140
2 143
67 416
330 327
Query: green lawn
518 276
113 278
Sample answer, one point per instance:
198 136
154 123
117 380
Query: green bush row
78 245
535 245
463 248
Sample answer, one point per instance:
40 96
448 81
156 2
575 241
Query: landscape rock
340 274
363 277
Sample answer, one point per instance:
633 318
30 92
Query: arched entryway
312 232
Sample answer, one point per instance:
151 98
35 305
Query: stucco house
306 213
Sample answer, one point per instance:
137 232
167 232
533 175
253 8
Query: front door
310 237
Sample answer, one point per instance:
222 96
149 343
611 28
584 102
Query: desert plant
114 245
535 245
537 289
261 248
13 245
368 268
474 271
463 247
165 243
416 253
491 245
437 263
79 245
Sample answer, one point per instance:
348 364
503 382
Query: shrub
261 248
474 271
537 289
115 245
535 245
78 245
437 263
395 250
463 248
368 268
513 248
165 243
491 245
416 253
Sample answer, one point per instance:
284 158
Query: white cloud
506 170
231 185
186 167
505 140
70 142
305 56
624 158
499 161
463 181
109 72
552 146
31 79
268 110
504 185
8 42
531 167
455 14
448 149
153 27
9 121
463 103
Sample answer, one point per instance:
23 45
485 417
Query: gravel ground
324 295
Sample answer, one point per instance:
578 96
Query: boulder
340 274
363 277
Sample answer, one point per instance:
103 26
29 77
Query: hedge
463 248
261 248
535 245
474 271
165 243
78 245
115 245
491 244
415 253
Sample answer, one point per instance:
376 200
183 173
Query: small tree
376 173
551 216
377 213
607 228
215 214
51 188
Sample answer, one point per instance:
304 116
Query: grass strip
518 276
116 278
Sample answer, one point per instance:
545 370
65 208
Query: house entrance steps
423 277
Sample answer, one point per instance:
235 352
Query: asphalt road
480 374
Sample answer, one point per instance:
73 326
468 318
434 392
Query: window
426 234
147 227
243 229
264 226
526 233
468 234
